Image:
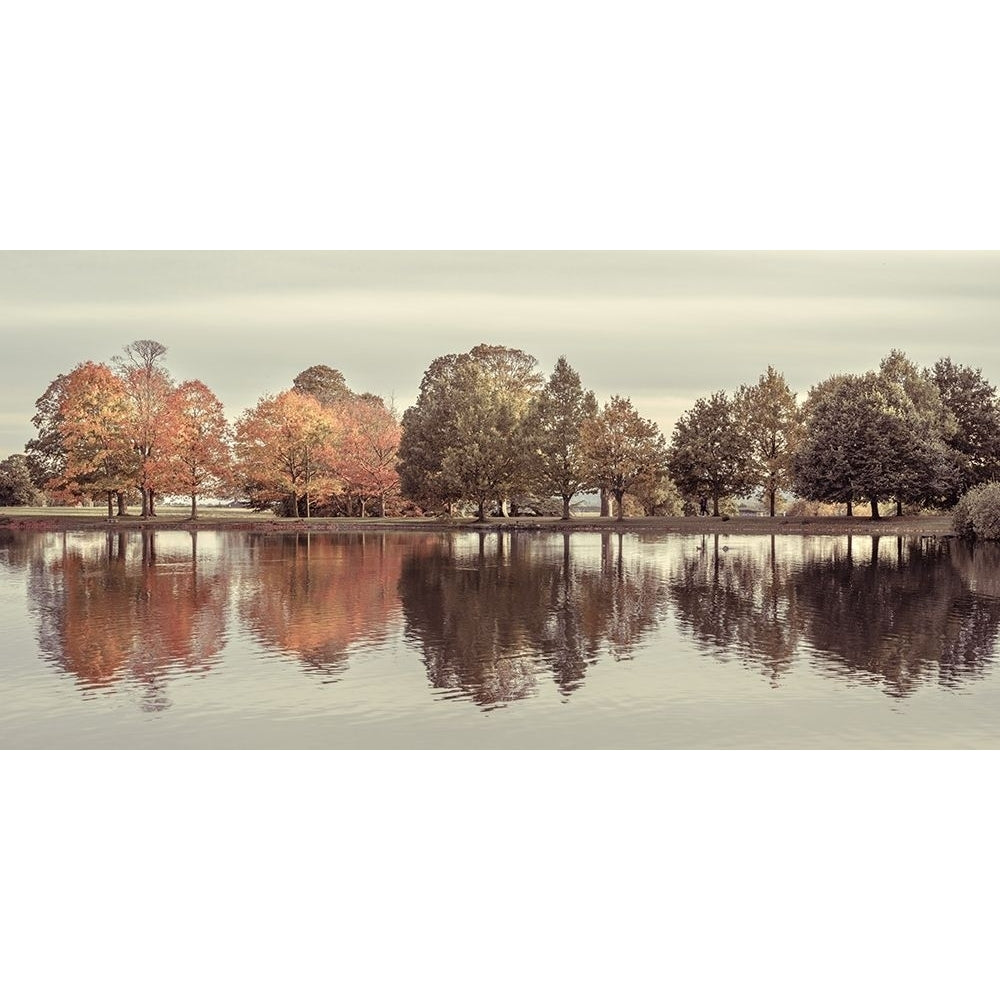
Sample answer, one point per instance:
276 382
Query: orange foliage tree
284 453
93 422
369 451
198 461
148 387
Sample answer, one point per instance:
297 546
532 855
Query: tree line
491 434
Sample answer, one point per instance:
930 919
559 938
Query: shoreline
922 525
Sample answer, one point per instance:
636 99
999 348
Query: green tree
620 448
426 435
709 451
325 384
770 421
865 439
927 470
46 453
467 438
974 438
826 465
654 491
487 459
16 486
556 418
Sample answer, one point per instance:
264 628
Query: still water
222 639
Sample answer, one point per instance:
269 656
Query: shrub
977 513
961 514
986 512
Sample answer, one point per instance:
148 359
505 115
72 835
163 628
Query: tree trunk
110 509
152 512
120 497
481 516
899 508
715 505
566 514
364 504
771 500
605 503
620 501
876 516
194 506
850 507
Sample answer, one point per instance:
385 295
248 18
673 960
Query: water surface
505 639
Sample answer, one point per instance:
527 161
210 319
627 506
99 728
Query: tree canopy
16 486
557 417
620 448
488 429
709 451
468 436
771 423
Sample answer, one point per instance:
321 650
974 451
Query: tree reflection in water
111 609
888 611
740 603
902 614
315 597
487 619
491 615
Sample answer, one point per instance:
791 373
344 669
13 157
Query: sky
660 327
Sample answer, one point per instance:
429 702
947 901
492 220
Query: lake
500 639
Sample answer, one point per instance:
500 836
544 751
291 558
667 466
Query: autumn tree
368 450
556 418
709 451
198 461
148 386
768 418
468 437
94 422
620 447
283 452
974 438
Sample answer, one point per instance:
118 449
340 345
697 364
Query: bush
16 487
977 513
961 515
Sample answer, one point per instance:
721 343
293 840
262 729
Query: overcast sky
662 328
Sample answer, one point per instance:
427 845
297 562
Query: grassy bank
230 519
